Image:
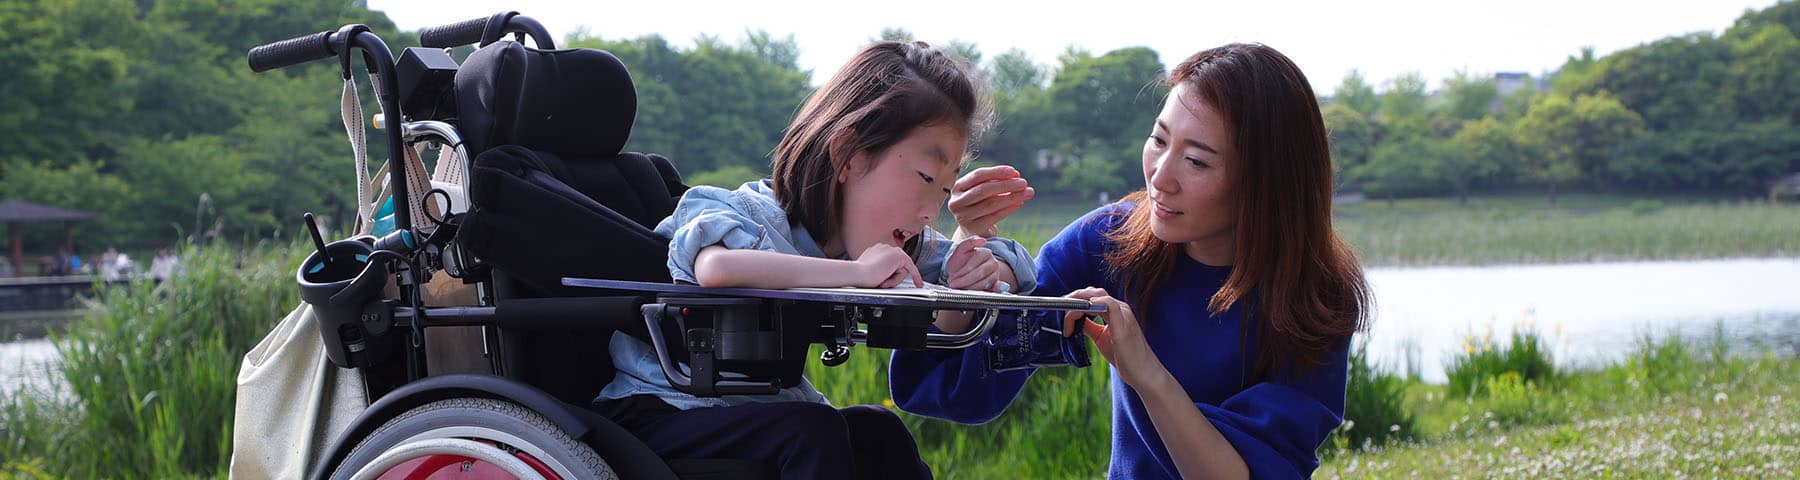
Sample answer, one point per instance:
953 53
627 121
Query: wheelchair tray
888 297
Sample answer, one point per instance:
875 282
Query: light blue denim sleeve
935 253
704 217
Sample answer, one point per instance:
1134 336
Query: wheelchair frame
710 330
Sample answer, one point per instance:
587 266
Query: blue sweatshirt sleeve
1277 426
957 385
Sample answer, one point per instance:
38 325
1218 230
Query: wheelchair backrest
558 196
552 195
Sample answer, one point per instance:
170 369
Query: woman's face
891 196
1186 161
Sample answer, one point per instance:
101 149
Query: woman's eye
1158 141
1196 162
927 178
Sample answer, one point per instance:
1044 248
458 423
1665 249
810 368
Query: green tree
1014 70
1765 74
1515 105
1483 150
1576 74
1095 170
1571 139
1357 94
1399 167
1469 97
1785 13
1674 83
1403 105
57 99
1102 107
1352 139
781 52
714 106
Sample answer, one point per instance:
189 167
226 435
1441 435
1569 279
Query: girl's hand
972 266
982 198
884 266
1119 339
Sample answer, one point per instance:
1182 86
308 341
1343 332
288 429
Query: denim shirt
751 218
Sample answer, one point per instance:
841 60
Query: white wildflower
1394 428
1719 397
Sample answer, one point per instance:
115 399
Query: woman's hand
982 198
884 266
972 266
1118 338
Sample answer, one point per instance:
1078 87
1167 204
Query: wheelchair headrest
578 103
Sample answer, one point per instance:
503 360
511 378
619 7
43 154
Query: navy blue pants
800 440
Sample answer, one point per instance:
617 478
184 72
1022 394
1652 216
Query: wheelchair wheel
471 438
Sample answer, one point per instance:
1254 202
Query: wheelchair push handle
293 51
485 30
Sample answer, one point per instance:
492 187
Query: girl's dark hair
877 98
1307 289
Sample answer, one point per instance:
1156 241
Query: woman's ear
844 156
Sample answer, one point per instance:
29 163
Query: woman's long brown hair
1306 286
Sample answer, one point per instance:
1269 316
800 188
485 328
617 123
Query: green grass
150 373
1059 427
1500 230
1578 422
1673 408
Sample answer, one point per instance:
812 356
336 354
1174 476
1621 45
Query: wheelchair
557 242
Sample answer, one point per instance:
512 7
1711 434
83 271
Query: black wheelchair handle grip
453 35
293 51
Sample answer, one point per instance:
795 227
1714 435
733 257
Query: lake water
1588 313
25 363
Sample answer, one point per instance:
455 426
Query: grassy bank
1673 408
1524 229
150 372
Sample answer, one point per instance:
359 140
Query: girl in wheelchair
857 179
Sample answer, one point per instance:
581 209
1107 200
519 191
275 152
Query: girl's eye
1196 162
927 178
1158 141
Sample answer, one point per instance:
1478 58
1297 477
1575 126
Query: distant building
1509 82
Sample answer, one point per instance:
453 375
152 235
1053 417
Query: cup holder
344 284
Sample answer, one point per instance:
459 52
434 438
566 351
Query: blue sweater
1275 425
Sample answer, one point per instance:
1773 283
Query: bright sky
1382 38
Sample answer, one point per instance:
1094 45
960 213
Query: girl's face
1186 160
889 197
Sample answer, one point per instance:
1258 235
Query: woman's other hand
982 198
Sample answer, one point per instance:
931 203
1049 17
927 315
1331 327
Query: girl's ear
843 153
